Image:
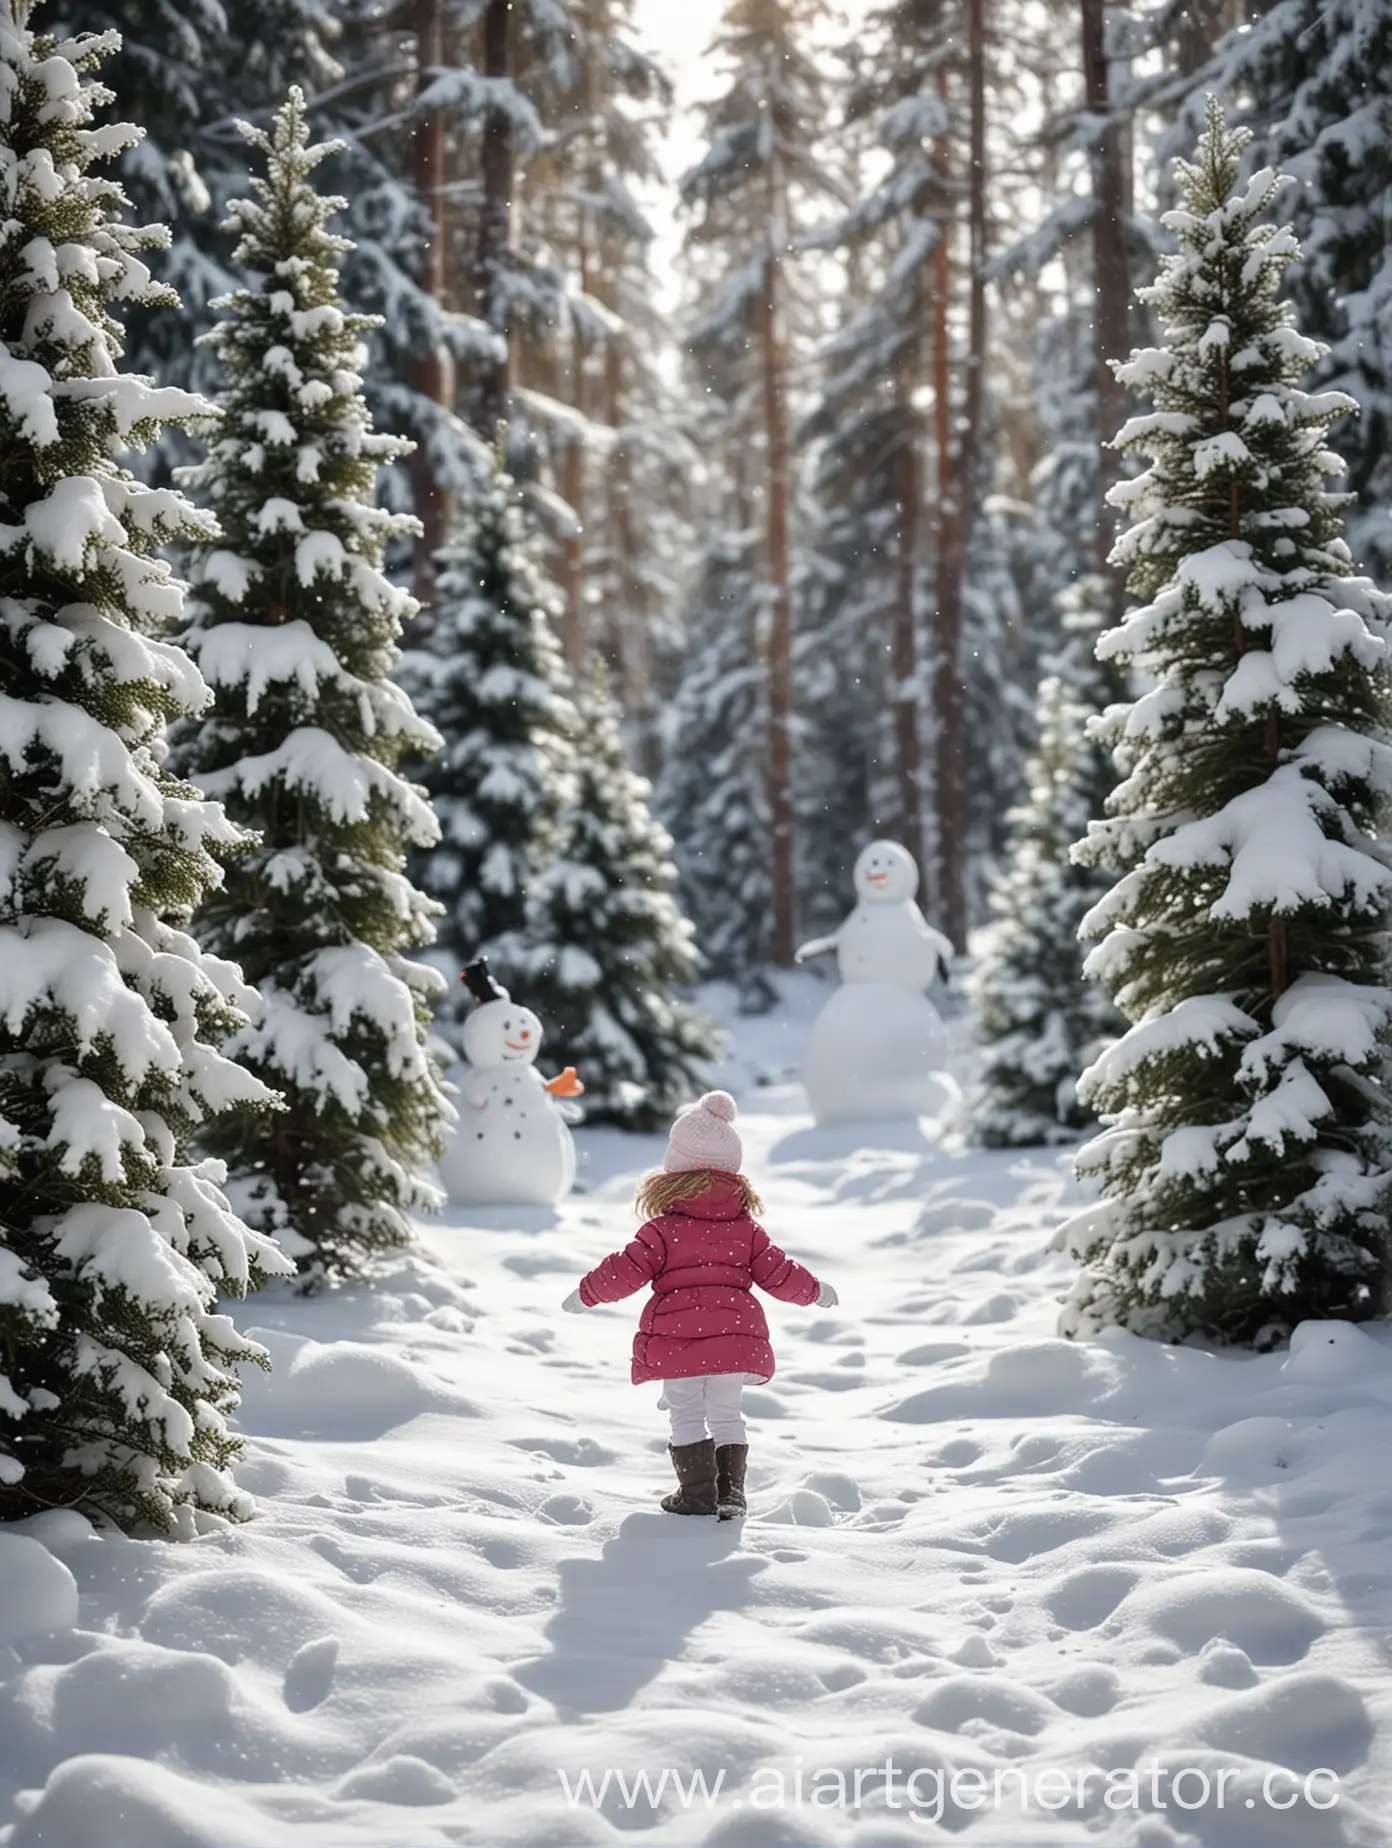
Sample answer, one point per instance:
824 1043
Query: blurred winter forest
821 500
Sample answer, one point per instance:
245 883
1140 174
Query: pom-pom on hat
704 1136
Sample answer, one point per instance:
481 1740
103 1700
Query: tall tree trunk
431 369
904 650
959 489
780 641
1111 277
495 220
573 487
948 702
573 556
635 641
588 253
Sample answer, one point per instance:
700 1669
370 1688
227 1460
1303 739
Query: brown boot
730 1462
695 1467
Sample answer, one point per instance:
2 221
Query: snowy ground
973 1547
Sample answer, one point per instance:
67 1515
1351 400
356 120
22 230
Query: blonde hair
658 1193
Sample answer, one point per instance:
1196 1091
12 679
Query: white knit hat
704 1136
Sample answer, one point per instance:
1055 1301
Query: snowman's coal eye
507 1026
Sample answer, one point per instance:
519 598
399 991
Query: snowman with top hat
513 1146
878 1049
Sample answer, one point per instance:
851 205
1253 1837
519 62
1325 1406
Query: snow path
973 1545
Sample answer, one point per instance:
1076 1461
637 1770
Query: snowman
878 1049
513 1146
886 939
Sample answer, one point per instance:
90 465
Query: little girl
702 1331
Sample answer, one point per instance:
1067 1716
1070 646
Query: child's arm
624 1272
780 1275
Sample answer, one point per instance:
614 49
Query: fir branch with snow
609 952
1244 1166
118 1374
492 682
1040 1022
296 627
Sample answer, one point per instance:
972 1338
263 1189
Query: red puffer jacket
702 1259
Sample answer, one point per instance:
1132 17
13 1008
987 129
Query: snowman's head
501 1033
885 874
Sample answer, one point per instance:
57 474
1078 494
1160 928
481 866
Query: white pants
709 1403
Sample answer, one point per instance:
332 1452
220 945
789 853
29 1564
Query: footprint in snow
505 1555
539 1340
582 1452
828 1382
1088 1692
957 1453
507 1697
567 1511
953 1705
539 1263
841 1492
353 1566
931 1352
803 1508
309 1677
1087 1598
829 1330
997 1308
956 1216
844 1675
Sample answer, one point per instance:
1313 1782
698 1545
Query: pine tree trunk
635 645
959 487
431 371
1111 277
780 641
573 488
904 652
495 220
948 699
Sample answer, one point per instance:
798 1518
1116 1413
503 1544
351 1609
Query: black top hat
480 983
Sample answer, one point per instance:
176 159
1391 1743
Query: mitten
827 1297
573 1304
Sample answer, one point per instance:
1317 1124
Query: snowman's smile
876 878
524 1047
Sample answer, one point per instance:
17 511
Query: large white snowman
513 1146
878 1048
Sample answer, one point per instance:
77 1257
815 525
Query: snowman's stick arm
945 952
819 946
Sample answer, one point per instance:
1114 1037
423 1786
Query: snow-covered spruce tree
1313 80
492 682
1245 1164
1040 1021
610 952
183 72
117 1375
296 627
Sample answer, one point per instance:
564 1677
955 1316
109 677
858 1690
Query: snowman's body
893 945
877 1053
878 1048
513 1146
